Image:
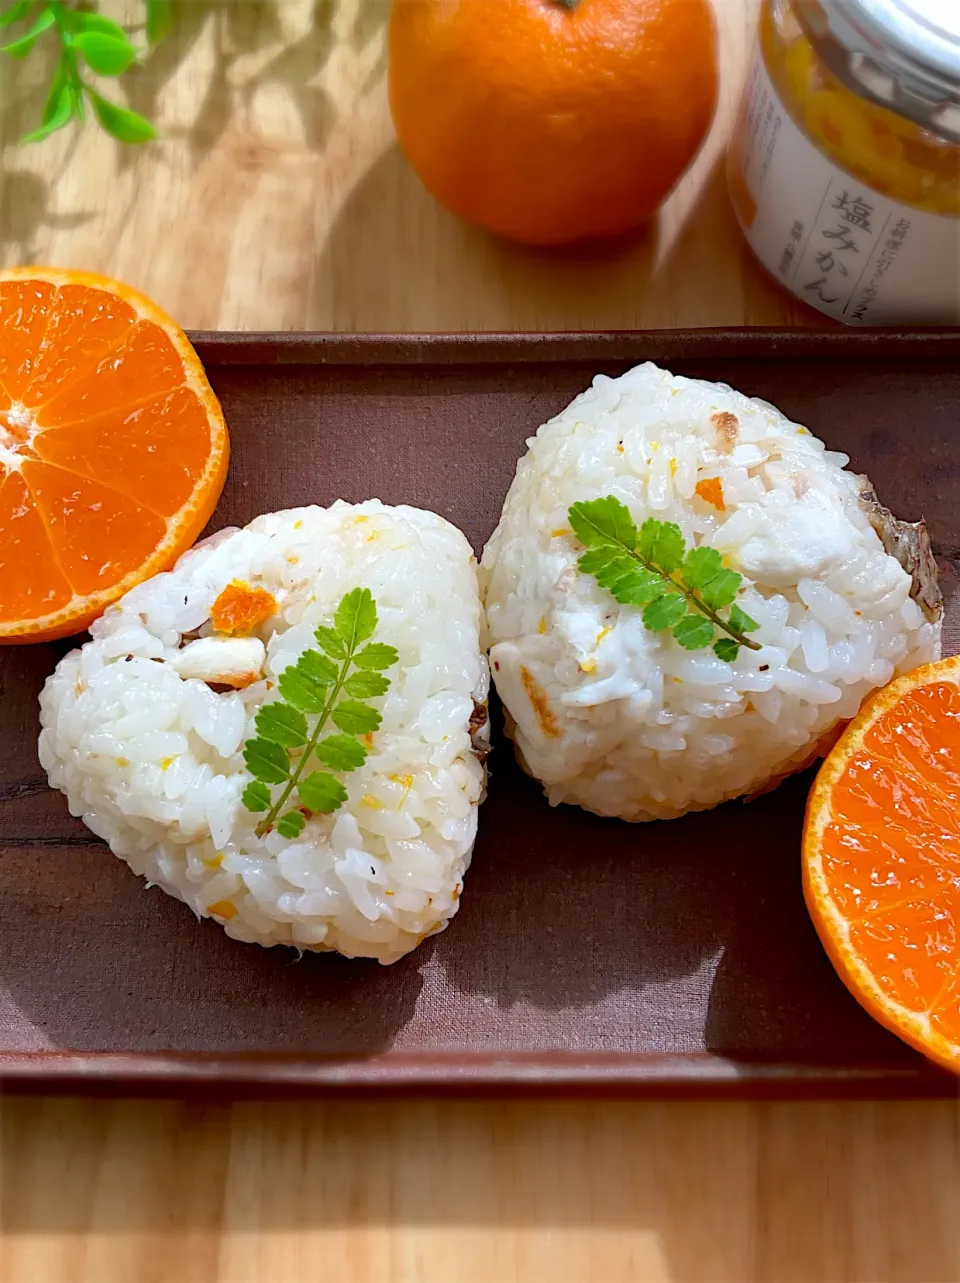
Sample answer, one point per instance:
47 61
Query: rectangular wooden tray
589 955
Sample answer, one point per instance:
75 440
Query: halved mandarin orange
113 448
881 858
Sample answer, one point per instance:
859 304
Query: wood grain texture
278 200
136 1192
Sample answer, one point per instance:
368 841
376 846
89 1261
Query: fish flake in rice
143 733
624 721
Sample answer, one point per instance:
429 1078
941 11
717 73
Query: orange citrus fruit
881 858
551 121
113 448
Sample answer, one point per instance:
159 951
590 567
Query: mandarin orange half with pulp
113 448
881 858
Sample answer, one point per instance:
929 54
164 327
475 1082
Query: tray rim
697 1075
368 348
637 1075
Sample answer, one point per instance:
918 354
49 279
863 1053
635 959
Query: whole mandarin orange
550 121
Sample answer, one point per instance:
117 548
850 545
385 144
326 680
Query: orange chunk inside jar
895 156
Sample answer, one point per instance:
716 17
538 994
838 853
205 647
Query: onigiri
623 719
147 729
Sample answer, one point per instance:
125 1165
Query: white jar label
827 236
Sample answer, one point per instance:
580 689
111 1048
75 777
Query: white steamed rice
626 722
150 756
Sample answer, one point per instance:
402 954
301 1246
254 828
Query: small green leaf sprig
88 41
315 686
680 589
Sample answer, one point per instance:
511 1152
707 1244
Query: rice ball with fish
287 731
687 595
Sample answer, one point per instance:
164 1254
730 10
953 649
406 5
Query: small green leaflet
661 545
291 825
331 643
105 54
23 46
367 685
356 718
665 612
58 113
603 523
693 632
331 685
322 792
88 43
266 760
121 123
741 622
159 19
705 573
377 657
356 618
13 12
282 724
83 22
727 649
306 690
681 591
256 796
341 752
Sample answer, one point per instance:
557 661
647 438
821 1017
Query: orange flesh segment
31 583
143 367
152 453
112 448
97 535
24 310
84 327
240 608
891 852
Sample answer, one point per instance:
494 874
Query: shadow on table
25 197
25 200
824 1193
538 289
463 278
251 31
245 48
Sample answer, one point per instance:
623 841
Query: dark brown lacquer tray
589 955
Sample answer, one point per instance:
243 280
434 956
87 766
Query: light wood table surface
278 200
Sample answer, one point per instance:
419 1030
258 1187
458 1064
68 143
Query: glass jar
844 168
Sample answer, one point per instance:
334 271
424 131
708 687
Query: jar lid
903 54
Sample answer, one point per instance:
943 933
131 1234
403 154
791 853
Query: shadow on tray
92 961
576 933
678 937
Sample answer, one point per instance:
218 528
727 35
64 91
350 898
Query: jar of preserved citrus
844 169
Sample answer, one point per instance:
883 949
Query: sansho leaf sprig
315 686
88 42
680 589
